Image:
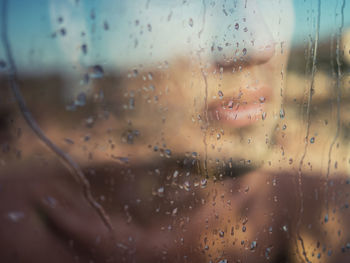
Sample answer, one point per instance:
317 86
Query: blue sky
138 30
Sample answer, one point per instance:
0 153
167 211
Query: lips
245 109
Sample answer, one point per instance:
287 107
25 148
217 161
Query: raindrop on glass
282 113
221 94
204 183
63 31
326 218
160 191
253 245
2 64
81 99
96 72
167 153
105 25
15 216
262 99
84 49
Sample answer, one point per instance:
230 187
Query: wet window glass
174 131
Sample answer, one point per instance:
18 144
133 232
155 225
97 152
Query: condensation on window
174 131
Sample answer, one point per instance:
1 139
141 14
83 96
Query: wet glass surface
174 131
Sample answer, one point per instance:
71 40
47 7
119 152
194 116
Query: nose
244 37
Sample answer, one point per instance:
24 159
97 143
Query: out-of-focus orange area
104 127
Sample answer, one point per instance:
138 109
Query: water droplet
105 25
230 104
96 72
221 233
167 153
84 49
244 228
131 103
223 261
149 27
262 99
92 14
326 218
190 22
220 94
218 136
81 99
285 228
85 79
69 141
312 140
52 202
2 64
90 121
270 229
174 212
204 183
15 216
263 115
267 253
63 31
244 51
187 186
253 245
236 26
121 159
282 113
160 191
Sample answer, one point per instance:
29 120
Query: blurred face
201 79
206 79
